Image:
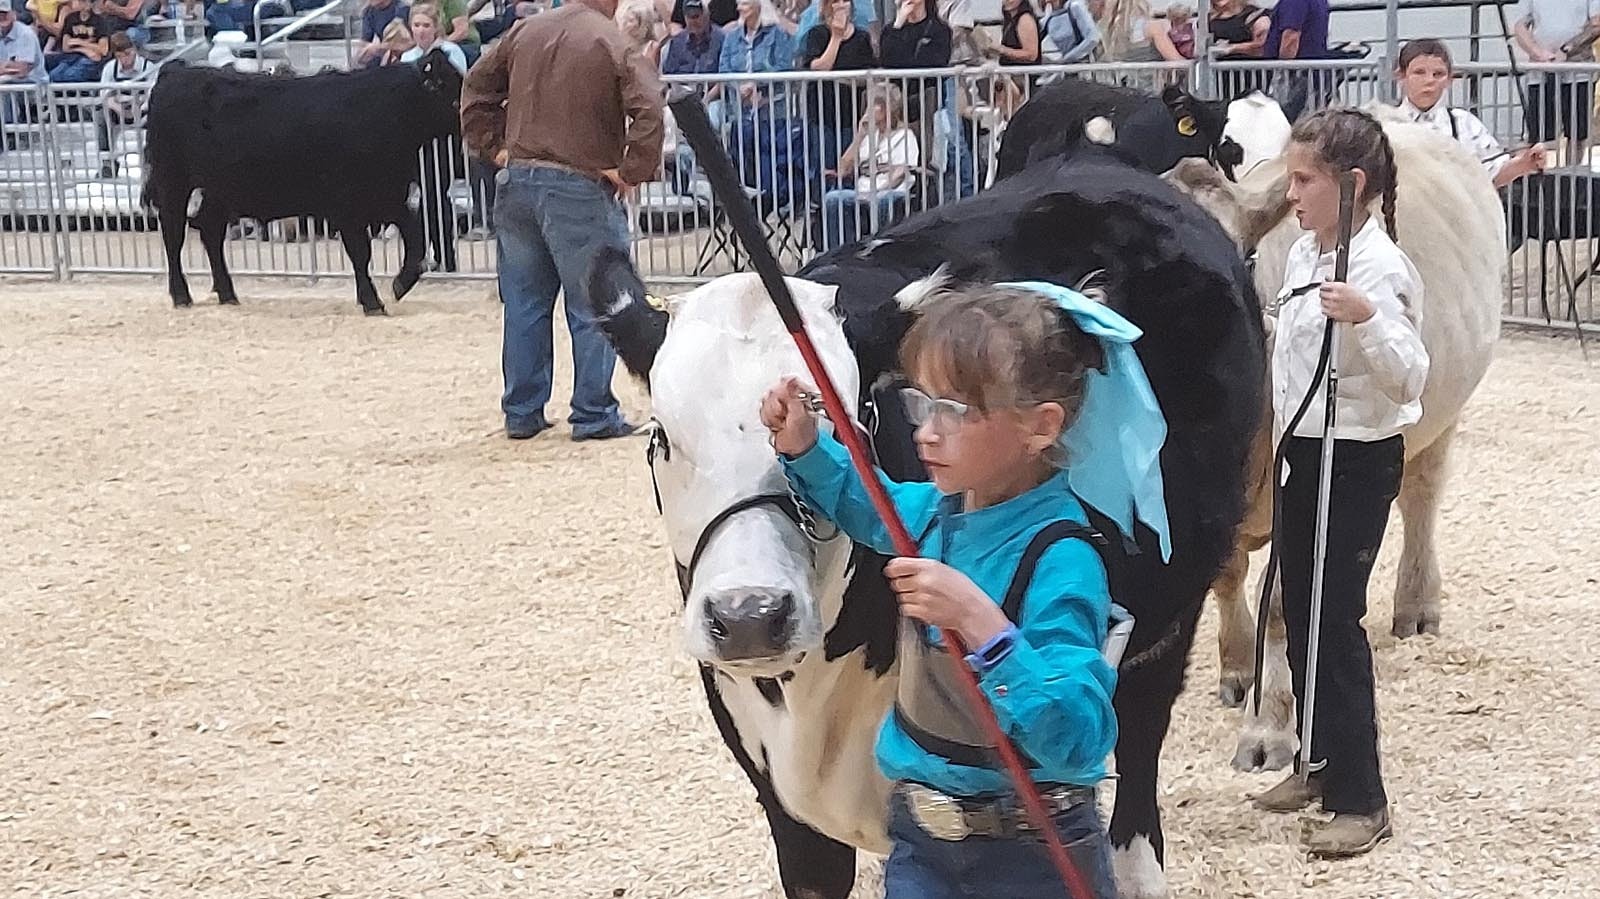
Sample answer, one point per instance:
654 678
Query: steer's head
759 592
442 81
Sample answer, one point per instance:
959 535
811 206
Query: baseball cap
689 6
5 5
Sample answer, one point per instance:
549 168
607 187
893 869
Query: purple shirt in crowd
1309 17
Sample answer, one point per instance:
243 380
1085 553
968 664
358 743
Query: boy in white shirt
1425 71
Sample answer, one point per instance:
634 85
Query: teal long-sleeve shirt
1052 691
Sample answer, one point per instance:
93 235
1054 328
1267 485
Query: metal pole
1203 85
1391 44
1319 557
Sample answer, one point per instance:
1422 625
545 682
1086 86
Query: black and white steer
793 625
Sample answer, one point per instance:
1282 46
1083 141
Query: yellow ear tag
655 302
1186 126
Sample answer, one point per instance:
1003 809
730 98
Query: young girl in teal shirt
1028 402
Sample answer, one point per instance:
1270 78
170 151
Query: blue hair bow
1114 446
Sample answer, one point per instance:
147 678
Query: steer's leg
415 246
1267 738
358 246
174 216
1146 688
810 865
213 222
1236 630
1416 590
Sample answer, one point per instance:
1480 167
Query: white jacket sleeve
1391 340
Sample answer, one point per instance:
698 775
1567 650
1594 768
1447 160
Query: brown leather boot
1347 834
1290 796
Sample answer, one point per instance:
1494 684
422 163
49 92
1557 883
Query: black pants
1366 479
1559 105
440 164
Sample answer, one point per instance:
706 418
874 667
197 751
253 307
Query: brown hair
1426 46
120 42
1001 347
1344 139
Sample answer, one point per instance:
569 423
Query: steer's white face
762 593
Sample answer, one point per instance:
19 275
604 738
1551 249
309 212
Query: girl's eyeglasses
945 415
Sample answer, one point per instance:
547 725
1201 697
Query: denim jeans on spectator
846 210
921 866
74 68
550 225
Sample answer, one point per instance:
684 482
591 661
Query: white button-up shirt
1466 128
1382 362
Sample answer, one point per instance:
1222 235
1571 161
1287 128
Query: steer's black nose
750 623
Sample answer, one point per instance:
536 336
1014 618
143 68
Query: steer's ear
635 328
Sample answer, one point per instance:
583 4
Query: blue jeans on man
74 68
922 866
550 224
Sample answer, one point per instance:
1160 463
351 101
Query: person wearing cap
21 61
696 49
573 115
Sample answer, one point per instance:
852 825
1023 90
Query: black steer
340 146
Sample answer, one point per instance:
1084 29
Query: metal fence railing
72 169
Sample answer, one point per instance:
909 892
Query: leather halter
787 503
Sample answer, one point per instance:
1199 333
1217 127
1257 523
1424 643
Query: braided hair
1345 138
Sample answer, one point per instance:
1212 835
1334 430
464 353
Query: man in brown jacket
573 117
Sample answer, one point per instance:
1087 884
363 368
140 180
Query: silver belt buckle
941 816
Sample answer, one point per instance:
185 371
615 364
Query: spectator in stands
833 105
1557 103
755 44
1238 32
442 159
21 60
697 49
120 110
1071 33
1135 34
642 29
918 39
462 31
125 15
722 13
1424 72
396 40
1299 30
82 43
1019 34
863 14
46 18
425 28
874 176
575 120
375 18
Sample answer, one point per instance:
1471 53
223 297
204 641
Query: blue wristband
992 651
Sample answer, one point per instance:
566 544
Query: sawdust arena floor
283 614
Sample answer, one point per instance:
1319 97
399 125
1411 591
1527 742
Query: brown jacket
564 87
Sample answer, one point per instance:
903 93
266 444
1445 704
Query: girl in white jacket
1382 368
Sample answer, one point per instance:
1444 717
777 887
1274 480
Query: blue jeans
921 866
75 68
549 226
845 210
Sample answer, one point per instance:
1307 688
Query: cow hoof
374 310
1407 626
1264 751
227 301
403 283
182 304
1232 689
